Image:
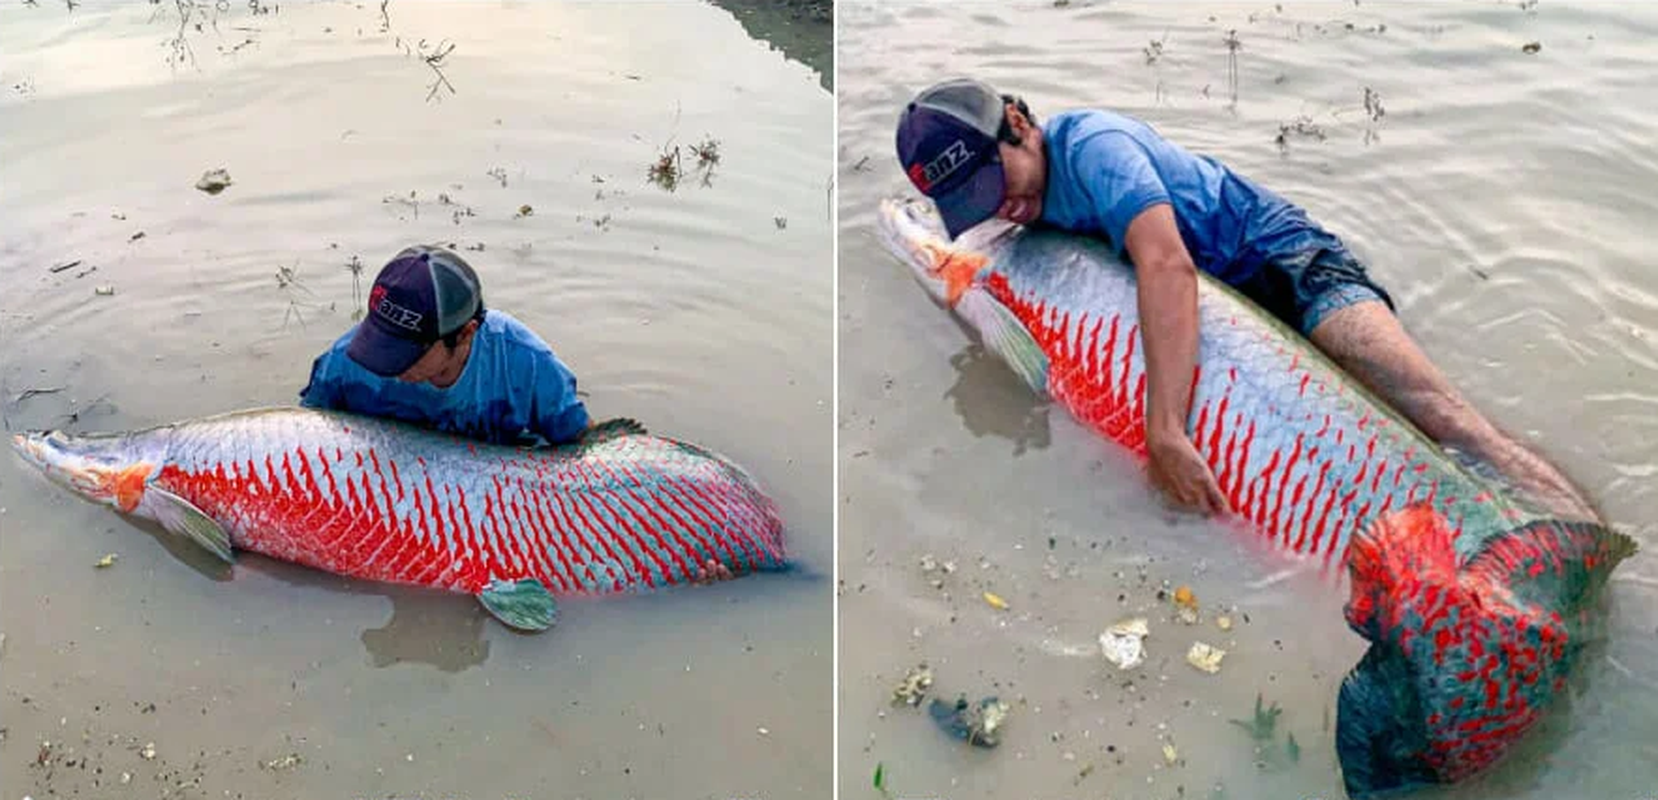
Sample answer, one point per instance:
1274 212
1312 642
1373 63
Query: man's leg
1366 339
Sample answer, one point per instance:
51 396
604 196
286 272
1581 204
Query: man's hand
1180 472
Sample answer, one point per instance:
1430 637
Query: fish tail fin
1464 658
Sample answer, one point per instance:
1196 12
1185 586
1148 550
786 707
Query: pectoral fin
179 516
1007 337
523 604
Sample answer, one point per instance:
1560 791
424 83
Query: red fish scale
1291 495
360 512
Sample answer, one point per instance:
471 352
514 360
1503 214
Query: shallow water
705 312
1502 196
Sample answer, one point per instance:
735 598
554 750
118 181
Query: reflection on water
1498 191
443 630
992 401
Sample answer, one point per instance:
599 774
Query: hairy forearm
1169 337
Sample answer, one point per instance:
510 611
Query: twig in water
28 393
667 171
1232 46
435 61
1154 50
355 265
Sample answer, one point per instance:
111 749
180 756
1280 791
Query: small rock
148 753
1223 622
782 222
213 181
1531 47
914 686
525 210
979 724
104 291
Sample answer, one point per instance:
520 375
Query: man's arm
1167 279
323 389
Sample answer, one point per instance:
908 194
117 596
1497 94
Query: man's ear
1016 121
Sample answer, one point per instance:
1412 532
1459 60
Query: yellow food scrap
995 601
1185 598
1170 754
1224 623
1205 657
106 561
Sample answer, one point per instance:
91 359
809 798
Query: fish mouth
54 455
913 232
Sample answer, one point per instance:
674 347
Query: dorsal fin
613 428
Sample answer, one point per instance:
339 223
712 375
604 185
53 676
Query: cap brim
974 201
382 353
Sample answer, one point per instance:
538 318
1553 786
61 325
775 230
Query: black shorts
1305 287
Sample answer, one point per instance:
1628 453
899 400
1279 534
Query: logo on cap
405 318
942 166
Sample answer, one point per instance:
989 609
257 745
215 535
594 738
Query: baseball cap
947 142
422 295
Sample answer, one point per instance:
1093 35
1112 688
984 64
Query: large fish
1476 604
618 511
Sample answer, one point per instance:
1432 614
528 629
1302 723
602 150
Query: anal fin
523 604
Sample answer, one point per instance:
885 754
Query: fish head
100 468
914 233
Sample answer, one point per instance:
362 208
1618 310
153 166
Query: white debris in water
1205 657
148 752
1124 643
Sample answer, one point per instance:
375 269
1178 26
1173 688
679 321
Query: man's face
1026 169
442 366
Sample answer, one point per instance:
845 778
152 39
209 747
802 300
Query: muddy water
704 311
1504 198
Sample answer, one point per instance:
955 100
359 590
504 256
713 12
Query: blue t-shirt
512 385
1105 168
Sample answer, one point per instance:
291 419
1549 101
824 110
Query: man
979 154
428 352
